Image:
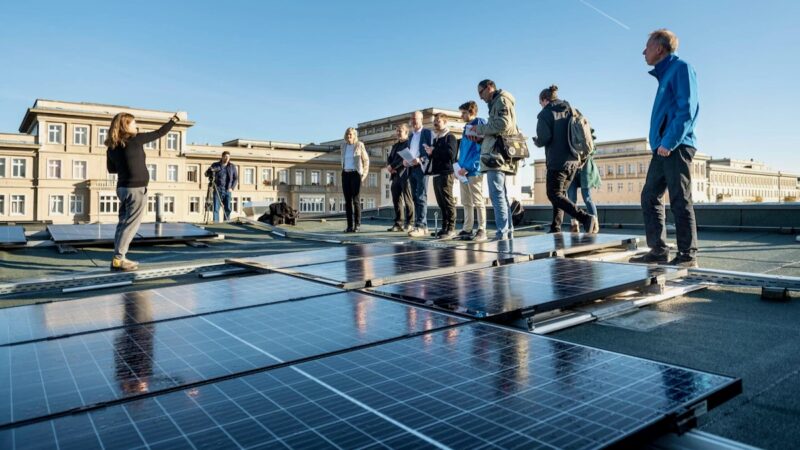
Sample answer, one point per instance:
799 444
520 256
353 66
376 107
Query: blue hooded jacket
676 105
469 152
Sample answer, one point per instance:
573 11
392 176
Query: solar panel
52 376
384 269
94 232
343 253
47 320
527 288
544 245
154 231
470 386
12 236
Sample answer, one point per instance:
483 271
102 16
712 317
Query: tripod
212 193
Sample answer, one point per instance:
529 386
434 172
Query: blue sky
303 71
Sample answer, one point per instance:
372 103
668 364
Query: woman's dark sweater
128 162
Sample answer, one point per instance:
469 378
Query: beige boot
123 265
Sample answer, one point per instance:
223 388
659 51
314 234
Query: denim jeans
502 207
419 192
225 197
586 195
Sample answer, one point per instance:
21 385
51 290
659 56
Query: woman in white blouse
355 166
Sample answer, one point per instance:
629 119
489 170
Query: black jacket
551 133
395 160
128 162
445 153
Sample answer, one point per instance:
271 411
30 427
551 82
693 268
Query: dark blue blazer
426 137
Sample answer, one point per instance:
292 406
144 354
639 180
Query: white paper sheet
456 169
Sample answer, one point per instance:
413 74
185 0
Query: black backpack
279 214
512 148
517 213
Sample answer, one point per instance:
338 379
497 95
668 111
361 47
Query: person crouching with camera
224 177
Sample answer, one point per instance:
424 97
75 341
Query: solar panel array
280 361
12 236
97 233
526 288
342 253
544 245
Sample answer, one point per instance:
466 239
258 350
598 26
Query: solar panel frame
474 385
57 376
103 233
27 323
12 236
552 244
394 268
522 290
343 253
173 231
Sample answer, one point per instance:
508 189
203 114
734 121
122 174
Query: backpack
279 214
517 212
580 136
512 148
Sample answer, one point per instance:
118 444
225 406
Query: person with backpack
553 131
125 156
501 123
673 141
355 167
587 178
469 161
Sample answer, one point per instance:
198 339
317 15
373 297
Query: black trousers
443 190
557 183
671 174
402 201
351 185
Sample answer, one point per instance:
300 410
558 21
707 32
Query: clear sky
303 71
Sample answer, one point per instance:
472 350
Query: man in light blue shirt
673 141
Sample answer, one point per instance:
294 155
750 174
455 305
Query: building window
151 203
17 205
2 167
610 187
609 170
631 169
172 173
621 169
235 205
80 135
194 204
109 204
281 199
387 191
169 204
332 205
111 176
620 187
312 204
102 135
330 178
283 176
630 187
54 168
246 200
266 176
54 133
153 171
641 167
315 177
341 204
18 168
75 204
299 177
152 145
78 170
372 180
2 205
172 141
249 175
191 174
370 202
56 205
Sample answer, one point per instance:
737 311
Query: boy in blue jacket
469 157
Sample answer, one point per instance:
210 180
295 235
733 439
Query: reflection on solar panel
53 376
392 268
543 246
97 233
12 236
33 322
474 385
526 288
173 231
343 253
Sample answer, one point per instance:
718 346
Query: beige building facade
623 167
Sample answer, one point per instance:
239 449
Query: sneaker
356 229
348 230
683 260
574 226
449 234
651 258
591 225
407 228
418 232
465 233
395 228
123 265
480 236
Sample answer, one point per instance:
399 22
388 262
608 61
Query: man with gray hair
416 173
673 142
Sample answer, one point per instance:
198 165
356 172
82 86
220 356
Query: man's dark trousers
671 174
402 201
351 188
419 194
443 189
557 183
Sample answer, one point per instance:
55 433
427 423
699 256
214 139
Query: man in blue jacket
673 142
469 159
224 175
418 138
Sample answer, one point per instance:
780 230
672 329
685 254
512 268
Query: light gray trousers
132 204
